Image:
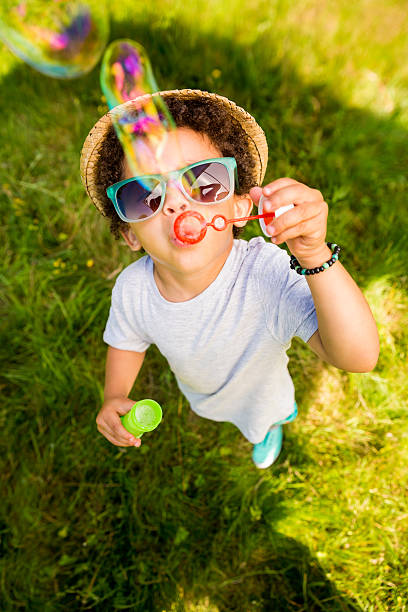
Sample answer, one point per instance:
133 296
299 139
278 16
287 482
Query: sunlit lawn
187 522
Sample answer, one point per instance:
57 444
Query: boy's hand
109 423
303 228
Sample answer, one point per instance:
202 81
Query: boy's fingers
296 215
116 431
284 181
116 442
292 194
255 193
120 441
113 440
124 406
109 435
270 188
122 433
307 228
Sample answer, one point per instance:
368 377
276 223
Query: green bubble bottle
144 416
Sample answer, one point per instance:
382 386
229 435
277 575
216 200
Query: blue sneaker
265 453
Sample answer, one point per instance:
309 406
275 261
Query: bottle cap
147 413
143 416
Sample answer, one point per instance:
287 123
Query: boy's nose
175 201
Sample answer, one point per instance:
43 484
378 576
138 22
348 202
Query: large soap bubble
126 74
60 38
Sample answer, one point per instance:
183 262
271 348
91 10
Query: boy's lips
179 243
189 228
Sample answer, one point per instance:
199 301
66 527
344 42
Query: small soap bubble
126 74
60 38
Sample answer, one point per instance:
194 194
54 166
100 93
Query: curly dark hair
202 116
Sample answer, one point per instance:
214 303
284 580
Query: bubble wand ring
188 231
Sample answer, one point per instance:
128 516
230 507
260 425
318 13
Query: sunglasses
206 182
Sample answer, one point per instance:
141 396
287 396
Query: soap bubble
190 227
126 73
60 38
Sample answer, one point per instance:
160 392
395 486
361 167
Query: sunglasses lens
139 199
207 183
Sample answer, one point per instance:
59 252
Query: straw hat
258 147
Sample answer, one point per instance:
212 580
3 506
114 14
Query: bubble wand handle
219 222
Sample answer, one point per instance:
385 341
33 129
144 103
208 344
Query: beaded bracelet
295 265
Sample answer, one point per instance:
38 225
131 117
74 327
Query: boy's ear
242 207
131 239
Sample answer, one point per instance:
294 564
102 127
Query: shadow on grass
183 522
187 520
88 526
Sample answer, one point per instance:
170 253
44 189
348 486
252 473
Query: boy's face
156 235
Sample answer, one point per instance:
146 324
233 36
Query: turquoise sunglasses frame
229 163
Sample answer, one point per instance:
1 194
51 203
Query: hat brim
93 144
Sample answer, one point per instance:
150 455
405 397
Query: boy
223 311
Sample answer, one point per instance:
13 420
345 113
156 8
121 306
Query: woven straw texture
94 141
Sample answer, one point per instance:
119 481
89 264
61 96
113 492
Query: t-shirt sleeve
288 302
122 330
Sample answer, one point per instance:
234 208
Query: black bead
321 269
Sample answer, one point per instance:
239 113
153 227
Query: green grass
187 522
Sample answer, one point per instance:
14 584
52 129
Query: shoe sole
266 464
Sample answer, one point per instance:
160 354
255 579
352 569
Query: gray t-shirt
226 346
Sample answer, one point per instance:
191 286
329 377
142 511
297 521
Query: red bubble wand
190 227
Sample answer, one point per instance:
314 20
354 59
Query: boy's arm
122 368
347 336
